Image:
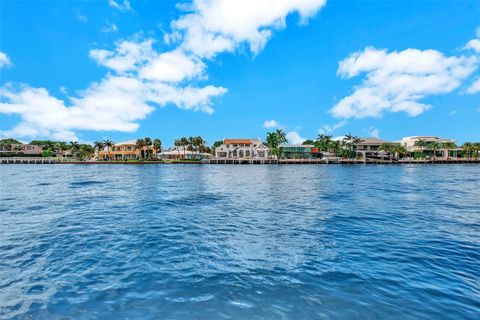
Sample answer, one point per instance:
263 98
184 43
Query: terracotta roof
237 141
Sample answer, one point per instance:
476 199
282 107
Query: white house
409 142
242 149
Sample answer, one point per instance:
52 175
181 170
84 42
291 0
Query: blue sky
91 70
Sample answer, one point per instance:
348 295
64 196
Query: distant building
242 149
299 151
409 142
21 149
180 154
126 150
369 147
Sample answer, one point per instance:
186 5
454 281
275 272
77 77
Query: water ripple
240 242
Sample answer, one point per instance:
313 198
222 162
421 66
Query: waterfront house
242 149
126 150
21 149
410 144
369 147
299 151
183 154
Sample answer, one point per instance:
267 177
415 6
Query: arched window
234 153
240 154
247 154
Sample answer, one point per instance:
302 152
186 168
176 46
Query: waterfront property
20 149
430 147
299 151
410 142
242 149
183 154
370 147
126 150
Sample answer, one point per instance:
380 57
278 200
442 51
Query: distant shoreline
253 162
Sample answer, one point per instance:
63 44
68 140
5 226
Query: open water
240 242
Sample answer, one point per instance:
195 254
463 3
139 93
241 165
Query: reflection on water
184 241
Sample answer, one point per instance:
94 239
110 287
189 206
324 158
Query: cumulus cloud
327 129
173 66
119 5
271 124
474 87
397 81
127 56
294 137
4 60
216 26
140 78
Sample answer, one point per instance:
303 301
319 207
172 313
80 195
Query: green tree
215 145
434 146
274 140
157 146
9 141
108 144
448 146
308 142
140 145
98 145
184 142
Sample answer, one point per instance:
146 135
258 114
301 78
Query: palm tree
148 144
274 140
157 146
348 141
467 146
108 144
324 142
355 141
434 146
476 147
400 150
420 143
61 146
177 143
448 146
74 147
184 142
282 137
98 145
140 144
387 148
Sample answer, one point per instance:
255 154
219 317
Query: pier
28 160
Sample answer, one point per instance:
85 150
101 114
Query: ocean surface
240 242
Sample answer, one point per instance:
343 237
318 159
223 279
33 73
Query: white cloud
397 81
474 87
128 55
173 66
294 137
327 129
271 124
474 45
110 27
141 78
4 60
122 6
452 113
216 26
116 103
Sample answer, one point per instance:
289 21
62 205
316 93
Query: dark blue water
239 242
